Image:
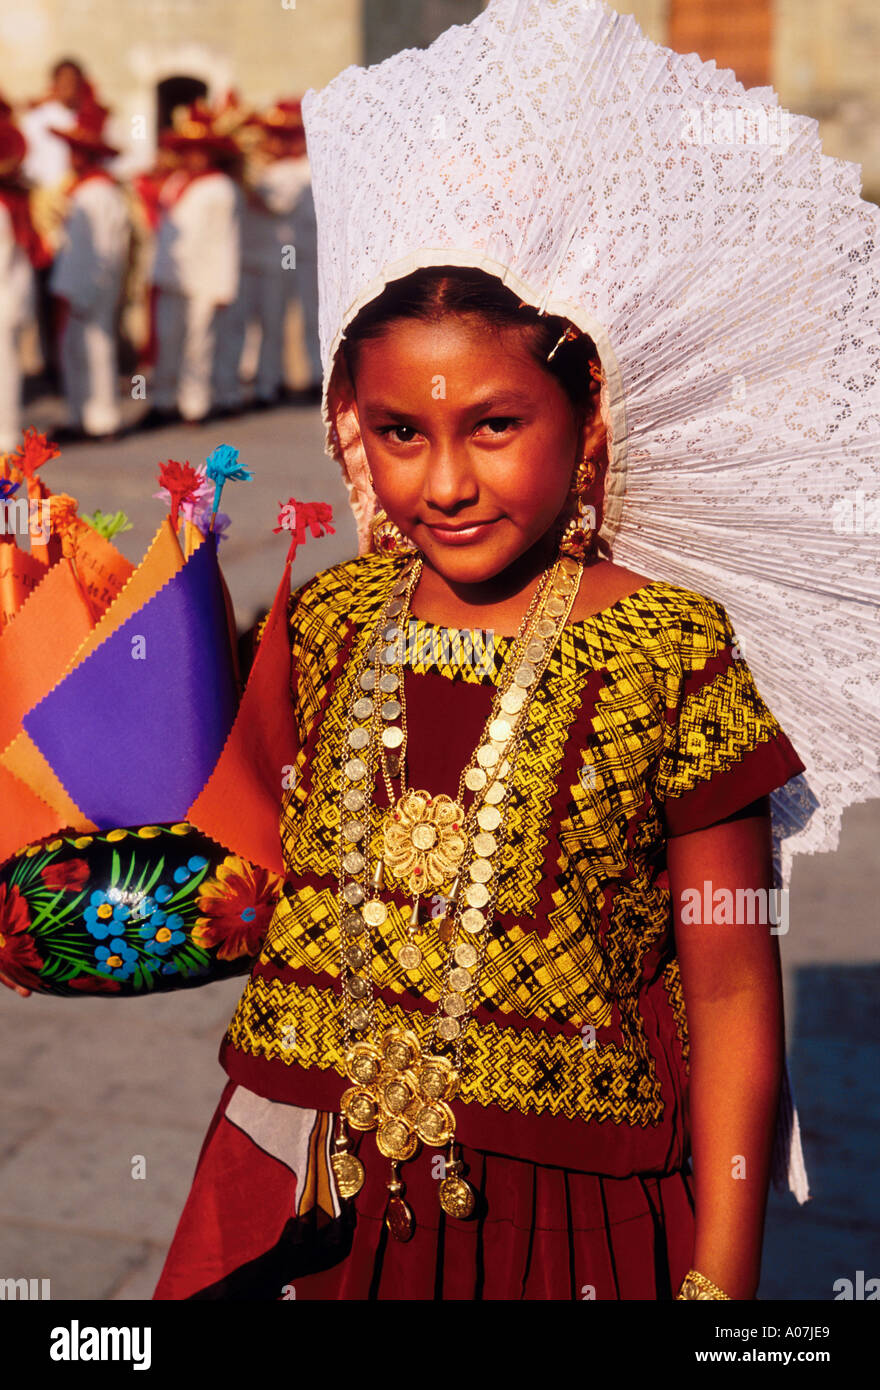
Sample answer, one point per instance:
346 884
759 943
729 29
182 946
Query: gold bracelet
696 1285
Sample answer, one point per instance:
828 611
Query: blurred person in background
150 190
278 178
48 157
21 252
87 277
196 271
47 166
304 283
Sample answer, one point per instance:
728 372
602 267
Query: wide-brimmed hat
283 118
87 133
196 129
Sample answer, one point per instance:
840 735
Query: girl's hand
10 984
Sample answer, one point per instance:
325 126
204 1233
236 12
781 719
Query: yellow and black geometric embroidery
640 704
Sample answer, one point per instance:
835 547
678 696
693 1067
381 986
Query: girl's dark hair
433 291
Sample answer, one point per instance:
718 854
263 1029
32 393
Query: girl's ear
592 432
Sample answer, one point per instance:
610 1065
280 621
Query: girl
486 1033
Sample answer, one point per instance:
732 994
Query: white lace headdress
727 271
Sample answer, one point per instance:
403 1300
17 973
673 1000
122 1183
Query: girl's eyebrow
497 400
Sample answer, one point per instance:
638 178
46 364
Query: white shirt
16 276
90 264
198 248
281 185
48 158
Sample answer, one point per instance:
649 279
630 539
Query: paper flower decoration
222 465
108 524
296 516
34 450
180 481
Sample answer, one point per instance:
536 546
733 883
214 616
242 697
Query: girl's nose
450 483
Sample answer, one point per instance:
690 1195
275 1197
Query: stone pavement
89 1085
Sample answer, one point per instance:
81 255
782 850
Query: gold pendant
395 1138
424 841
363 1063
435 1123
398 1216
360 1108
457 1197
348 1172
409 957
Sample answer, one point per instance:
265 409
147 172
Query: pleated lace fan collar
725 268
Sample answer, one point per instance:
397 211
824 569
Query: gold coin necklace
401 1088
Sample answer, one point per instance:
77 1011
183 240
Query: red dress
572 1110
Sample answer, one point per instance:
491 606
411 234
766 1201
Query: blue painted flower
117 960
162 932
186 871
104 914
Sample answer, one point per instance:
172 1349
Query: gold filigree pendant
424 842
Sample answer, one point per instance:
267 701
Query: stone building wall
264 48
822 56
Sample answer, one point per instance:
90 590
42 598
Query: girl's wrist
697 1285
735 1277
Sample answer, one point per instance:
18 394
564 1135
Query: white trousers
262 299
186 329
10 386
306 287
89 370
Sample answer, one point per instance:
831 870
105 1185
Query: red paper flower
181 481
296 516
238 905
72 874
18 954
34 450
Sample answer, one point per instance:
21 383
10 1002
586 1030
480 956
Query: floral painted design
128 911
237 904
118 959
19 958
162 932
73 874
103 916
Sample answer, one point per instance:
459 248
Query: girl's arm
732 985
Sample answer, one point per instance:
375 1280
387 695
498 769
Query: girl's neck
497 605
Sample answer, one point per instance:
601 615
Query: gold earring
388 539
579 537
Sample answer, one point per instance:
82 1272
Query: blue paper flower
104 915
117 960
221 465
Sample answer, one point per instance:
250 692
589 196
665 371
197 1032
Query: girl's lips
460 535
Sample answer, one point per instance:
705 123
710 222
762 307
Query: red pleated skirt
538 1232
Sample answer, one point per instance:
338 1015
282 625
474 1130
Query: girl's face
471 445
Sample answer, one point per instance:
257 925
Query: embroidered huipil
647 723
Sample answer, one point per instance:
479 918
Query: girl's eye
393 429
503 420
